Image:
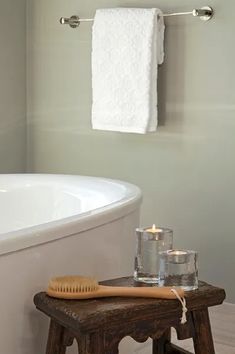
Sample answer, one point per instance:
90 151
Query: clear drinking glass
179 268
150 241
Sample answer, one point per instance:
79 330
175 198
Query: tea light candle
154 230
150 240
179 268
177 256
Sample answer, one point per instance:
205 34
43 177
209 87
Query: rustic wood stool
98 325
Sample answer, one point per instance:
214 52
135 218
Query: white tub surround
57 225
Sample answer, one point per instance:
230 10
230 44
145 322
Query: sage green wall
186 170
12 86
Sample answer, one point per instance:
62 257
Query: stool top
93 313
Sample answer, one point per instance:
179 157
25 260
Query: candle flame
154 229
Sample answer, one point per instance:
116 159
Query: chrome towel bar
205 13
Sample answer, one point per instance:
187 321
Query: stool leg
159 345
94 343
91 343
203 341
55 339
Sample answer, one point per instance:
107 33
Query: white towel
127 47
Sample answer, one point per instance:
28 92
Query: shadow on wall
171 74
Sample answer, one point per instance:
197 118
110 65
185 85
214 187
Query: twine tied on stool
183 303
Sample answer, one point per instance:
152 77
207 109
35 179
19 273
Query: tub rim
53 230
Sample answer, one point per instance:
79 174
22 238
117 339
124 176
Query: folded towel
126 50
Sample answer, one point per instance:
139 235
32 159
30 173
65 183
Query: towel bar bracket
73 21
205 13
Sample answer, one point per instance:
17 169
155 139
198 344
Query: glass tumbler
150 241
179 268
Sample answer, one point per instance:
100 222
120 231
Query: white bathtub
54 225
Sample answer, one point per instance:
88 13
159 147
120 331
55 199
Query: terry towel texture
127 47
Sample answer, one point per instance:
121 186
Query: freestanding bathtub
55 225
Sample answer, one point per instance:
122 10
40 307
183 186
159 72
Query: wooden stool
98 325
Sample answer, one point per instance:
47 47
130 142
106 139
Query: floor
223 328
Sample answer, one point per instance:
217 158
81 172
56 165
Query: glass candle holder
150 241
179 268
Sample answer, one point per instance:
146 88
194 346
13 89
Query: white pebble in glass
179 268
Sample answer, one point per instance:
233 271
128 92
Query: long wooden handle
111 291
150 292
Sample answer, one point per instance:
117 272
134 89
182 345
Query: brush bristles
72 284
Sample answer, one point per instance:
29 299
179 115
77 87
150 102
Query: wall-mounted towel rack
205 13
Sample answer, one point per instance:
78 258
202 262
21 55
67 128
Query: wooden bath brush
77 287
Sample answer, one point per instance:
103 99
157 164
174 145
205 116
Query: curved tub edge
49 232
